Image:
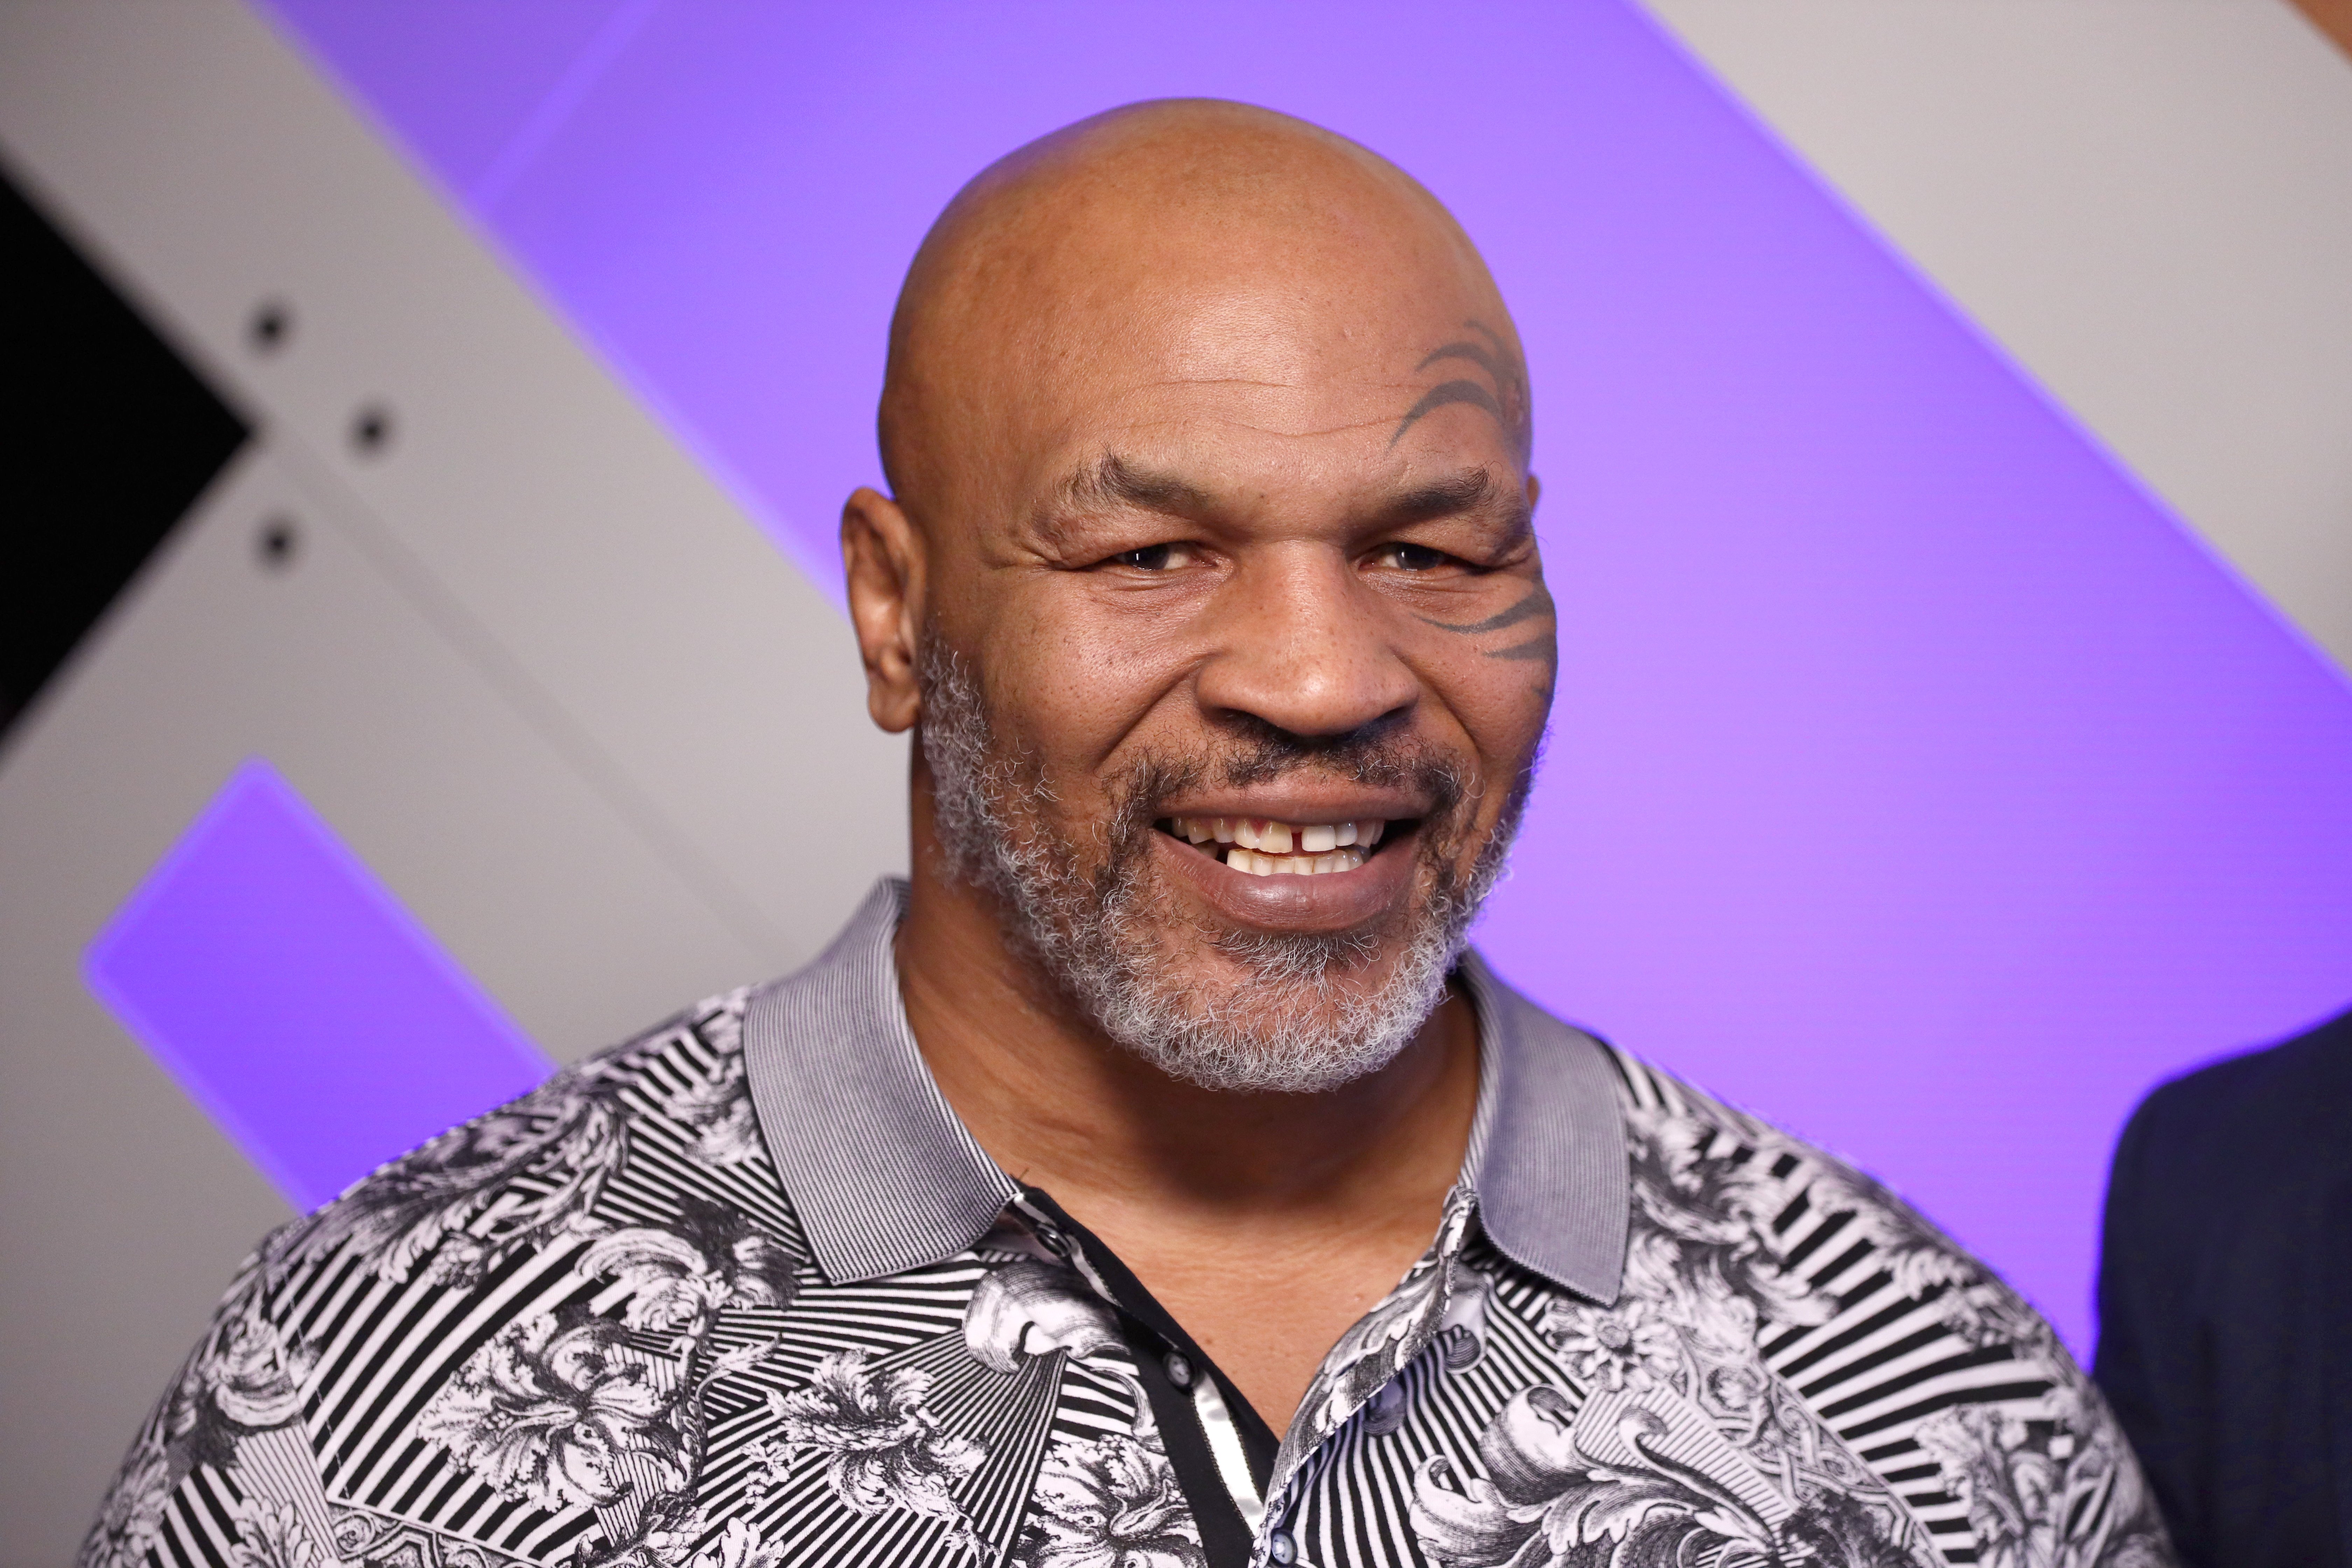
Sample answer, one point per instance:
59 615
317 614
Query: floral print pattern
680 1276
272 1535
742 1546
1629 1346
518 1177
879 1447
551 1409
1624 1482
588 1330
1025 1309
1669 1440
245 1379
2046 1493
1110 1503
719 1108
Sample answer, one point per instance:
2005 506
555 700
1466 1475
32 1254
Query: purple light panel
286 989
1916 780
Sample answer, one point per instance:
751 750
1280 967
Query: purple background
320 1027
1916 780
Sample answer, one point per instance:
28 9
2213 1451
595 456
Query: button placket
1277 1543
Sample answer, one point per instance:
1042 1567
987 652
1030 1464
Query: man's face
1238 657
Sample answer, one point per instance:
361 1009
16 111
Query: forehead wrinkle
1219 381
1236 422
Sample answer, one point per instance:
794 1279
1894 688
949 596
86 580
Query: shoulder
1920 1359
2240 1132
1826 1226
242 1384
531 1170
543 1258
2242 1101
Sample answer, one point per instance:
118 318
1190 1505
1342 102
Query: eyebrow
1110 481
1462 492
1472 489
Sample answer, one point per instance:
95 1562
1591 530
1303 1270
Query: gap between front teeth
1262 847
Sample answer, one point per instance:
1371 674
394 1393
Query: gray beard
1287 1031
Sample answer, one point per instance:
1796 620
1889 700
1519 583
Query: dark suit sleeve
2221 1296
2149 1364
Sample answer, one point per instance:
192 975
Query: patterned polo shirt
745 1293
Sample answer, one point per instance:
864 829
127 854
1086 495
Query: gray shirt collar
886 1178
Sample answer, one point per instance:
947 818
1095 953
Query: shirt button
1179 1373
1052 1239
1281 1548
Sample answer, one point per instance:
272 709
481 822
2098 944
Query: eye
1154 557
1403 557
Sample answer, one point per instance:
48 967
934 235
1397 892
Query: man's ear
884 557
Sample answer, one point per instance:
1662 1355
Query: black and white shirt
745 1293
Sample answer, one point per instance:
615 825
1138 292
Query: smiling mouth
1260 847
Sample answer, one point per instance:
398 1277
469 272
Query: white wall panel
528 661
712 693
2147 202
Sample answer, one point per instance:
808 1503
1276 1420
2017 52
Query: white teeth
1262 847
1252 863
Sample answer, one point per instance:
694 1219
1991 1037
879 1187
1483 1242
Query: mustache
1374 754
1270 755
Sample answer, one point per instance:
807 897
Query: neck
1138 1154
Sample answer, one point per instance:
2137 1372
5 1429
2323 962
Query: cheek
1501 703
1078 687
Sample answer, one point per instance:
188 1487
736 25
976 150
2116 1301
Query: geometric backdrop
430 418
1915 779
287 990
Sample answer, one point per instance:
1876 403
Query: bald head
1163 228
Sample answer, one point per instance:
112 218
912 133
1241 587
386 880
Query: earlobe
882 557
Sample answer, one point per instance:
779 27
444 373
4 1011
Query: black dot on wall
272 326
277 543
371 430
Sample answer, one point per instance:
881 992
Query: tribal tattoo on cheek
1506 403
1535 606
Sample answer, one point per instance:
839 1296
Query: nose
1301 645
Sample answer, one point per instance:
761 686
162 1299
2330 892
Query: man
1153 1180
2225 1336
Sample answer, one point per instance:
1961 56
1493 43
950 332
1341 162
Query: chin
1259 1012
